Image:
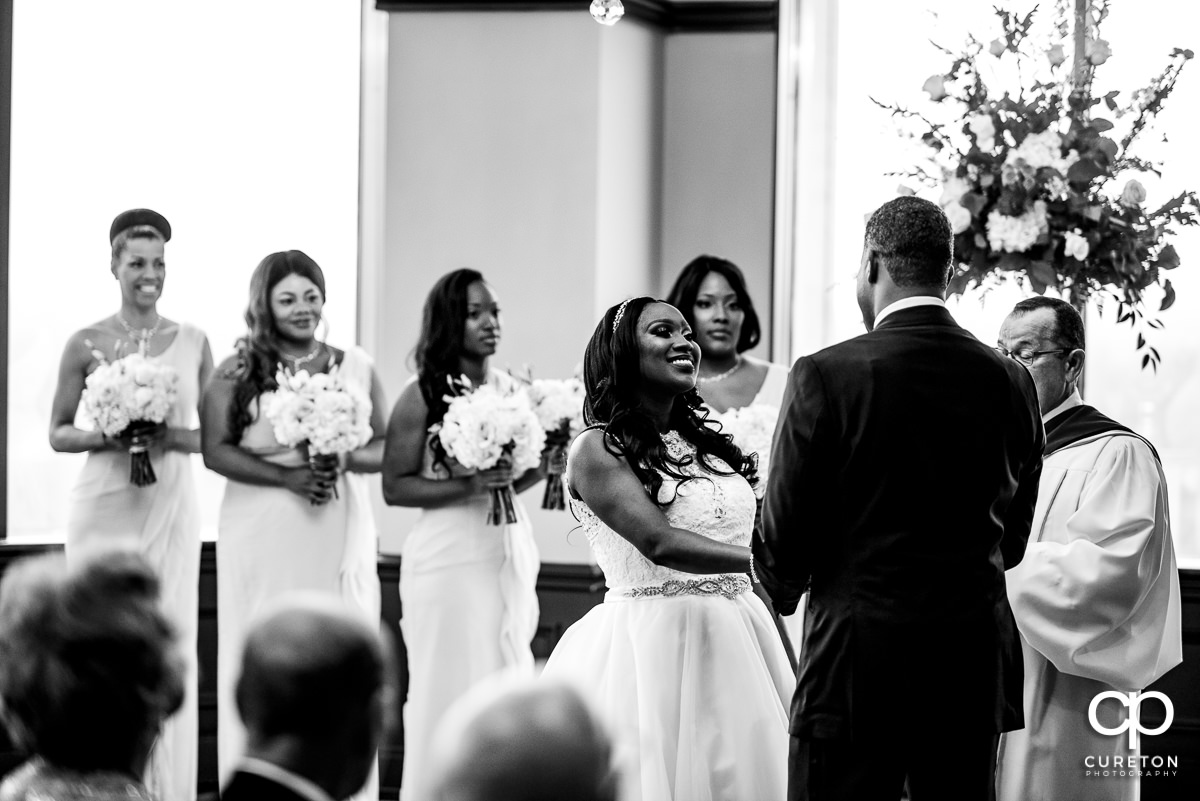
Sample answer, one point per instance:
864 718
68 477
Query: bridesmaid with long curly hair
467 588
285 525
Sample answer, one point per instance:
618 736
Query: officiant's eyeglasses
1028 357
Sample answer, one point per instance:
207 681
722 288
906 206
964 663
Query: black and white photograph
603 400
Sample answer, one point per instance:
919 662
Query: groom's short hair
913 240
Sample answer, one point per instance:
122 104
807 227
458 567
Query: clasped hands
158 436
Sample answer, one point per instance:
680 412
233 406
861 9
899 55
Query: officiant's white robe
1097 601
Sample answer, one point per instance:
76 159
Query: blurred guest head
908 248
89 666
1046 335
312 692
522 740
712 296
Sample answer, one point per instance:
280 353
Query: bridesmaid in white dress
161 520
711 294
284 526
683 658
468 590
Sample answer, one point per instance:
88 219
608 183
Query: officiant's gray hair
914 241
1068 324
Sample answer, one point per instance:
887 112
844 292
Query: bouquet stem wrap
141 472
502 510
325 462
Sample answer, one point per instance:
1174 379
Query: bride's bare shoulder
593 450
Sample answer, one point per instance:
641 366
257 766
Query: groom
903 480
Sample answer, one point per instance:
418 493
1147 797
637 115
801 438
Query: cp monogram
1133 701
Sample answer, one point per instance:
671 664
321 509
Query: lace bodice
719 507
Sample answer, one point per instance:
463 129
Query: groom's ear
873 267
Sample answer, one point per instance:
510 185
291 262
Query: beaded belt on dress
727 585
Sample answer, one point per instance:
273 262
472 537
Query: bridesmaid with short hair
162 520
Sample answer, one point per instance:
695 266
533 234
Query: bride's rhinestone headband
620 314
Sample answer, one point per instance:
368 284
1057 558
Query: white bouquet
559 408
483 428
127 396
321 411
752 428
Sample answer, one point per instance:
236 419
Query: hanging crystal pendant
607 12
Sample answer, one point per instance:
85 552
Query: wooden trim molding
672 15
6 51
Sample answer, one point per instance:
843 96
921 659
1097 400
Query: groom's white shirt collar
293 781
908 303
1073 400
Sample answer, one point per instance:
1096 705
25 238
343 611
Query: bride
682 657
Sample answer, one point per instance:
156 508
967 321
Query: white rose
935 85
1056 55
1075 246
997 47
1133 195
1097 51
959 217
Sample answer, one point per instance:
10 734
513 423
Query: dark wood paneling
6 20
673 15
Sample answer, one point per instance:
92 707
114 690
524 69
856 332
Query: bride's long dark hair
612 376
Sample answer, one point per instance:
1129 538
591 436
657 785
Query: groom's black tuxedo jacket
903 480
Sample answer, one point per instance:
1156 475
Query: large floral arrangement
558 405
127 396
1037 184
322 412
752 428
485 426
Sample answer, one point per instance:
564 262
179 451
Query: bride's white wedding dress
688 670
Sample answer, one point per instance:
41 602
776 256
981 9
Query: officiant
1096 597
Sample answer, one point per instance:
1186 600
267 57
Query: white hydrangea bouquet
752 428
558 405
127 396
484 427
320 411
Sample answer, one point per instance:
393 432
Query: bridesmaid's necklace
141 336
721 376
299 361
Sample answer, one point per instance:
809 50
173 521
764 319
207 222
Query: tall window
889 59
238 121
